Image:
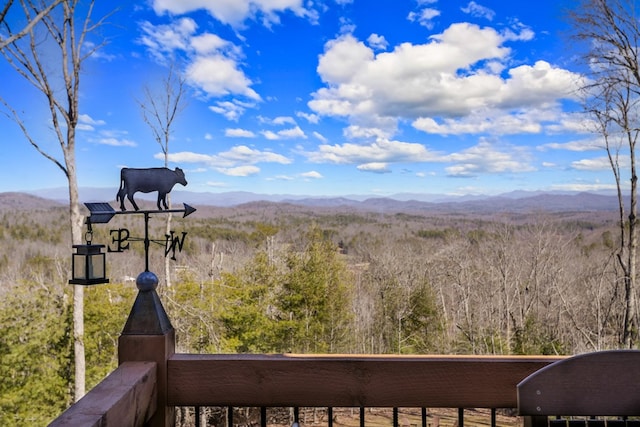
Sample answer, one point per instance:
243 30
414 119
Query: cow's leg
164 201
133 202
160 195
120 196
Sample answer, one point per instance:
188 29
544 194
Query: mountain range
518 201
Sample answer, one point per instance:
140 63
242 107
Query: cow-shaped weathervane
148 180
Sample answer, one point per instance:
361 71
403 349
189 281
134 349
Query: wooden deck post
149 336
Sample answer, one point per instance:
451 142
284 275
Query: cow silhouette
148 180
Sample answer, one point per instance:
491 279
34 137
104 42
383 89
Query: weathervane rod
146 241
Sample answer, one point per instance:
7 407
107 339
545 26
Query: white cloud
236 12
456 80
208 43
356 131
186 157
523 34
598 163
114 138
281 120
239 133
231 110
312 175
240 170
239 155
478 11
218 75
270 135
538 84
375 167
115 142
161 40
291 133
294 132
424 17
319 136
590 144
495 122
242 153
382 151
85 122
377 41
311 118
484 158
281 178
212 63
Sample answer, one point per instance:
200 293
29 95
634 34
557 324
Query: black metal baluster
362 416
395 417
330 416
229 416
460 417
263 416
424 417
493 417
197 415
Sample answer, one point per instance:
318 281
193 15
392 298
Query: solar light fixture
88 263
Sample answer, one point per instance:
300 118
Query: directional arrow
101 213
188 210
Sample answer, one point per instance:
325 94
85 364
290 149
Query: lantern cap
88 249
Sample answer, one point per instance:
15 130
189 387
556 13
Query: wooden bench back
605 383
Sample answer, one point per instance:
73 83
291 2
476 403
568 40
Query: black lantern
88 263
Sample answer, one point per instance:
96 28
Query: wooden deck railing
127 397
348 380
152 380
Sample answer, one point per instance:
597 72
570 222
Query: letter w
172 243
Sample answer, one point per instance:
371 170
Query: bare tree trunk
67 28
630 323
78 298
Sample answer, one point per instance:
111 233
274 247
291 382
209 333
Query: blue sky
328 97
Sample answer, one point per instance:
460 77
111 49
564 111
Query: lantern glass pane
96 266
79 271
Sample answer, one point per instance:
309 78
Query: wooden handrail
599 383
127 397
348 380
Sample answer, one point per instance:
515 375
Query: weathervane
88 263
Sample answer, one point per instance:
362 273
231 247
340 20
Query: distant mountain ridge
519 201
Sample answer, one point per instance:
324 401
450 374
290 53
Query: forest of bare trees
282 278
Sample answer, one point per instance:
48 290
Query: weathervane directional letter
174 242
120 240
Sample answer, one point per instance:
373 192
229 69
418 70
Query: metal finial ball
147 281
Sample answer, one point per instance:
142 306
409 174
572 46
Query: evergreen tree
313 301
36 355
248 315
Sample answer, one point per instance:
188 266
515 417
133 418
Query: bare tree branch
30 22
